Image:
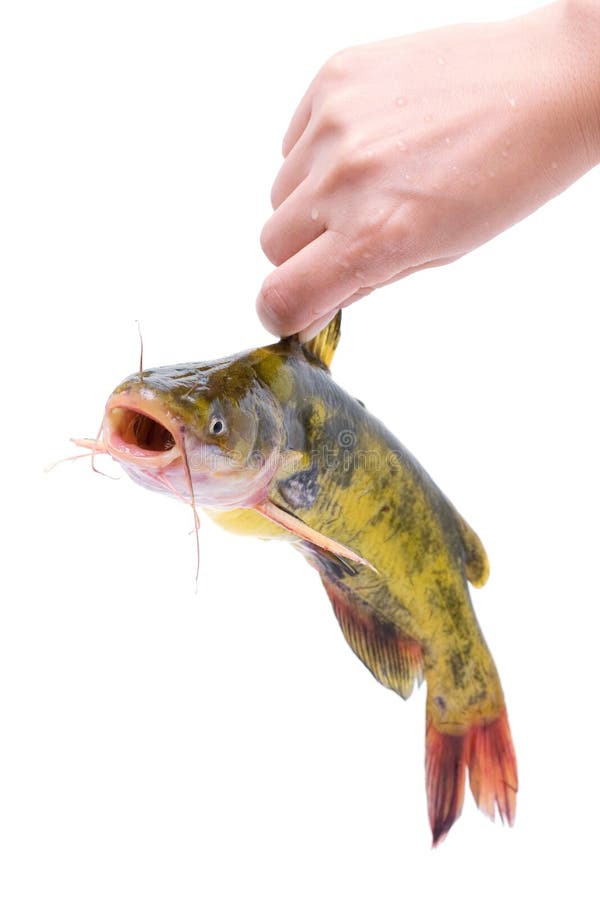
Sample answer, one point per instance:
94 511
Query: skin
290 439
411 152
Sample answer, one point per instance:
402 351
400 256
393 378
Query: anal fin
393 658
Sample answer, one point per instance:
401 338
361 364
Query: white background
158 743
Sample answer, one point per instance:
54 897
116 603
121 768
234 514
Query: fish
269 445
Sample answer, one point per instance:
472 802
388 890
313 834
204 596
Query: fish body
271 446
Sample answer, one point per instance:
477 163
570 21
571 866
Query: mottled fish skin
407 614
360 486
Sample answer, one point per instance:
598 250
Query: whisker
189 391
97 448
57 462
190 484
141 350
160 478
89 444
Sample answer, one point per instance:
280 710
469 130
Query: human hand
411 152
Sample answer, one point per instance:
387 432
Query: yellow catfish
269 445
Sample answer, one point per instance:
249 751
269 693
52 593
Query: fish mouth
138 430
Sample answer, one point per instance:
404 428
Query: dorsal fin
323 345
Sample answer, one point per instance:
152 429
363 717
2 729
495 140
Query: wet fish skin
391 550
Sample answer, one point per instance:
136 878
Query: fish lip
143 403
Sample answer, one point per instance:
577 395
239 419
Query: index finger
309 285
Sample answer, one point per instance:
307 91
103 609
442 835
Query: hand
409 153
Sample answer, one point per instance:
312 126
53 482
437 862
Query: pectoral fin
306 533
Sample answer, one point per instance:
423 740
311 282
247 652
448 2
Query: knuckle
388 242
352 162
345 246
338 66
335 111
400 224
377 245
329 116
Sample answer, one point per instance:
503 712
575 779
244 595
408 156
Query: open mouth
140 431
136 429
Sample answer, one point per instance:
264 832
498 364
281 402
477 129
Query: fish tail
485 749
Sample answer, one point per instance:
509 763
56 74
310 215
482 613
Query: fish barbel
269 445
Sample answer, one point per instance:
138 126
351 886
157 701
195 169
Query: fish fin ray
486 751
493 768
324 344
393 658
445 758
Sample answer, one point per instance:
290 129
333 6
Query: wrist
580 36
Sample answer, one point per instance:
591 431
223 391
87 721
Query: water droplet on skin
407 177
314 214
400 101
428 117
401 144
447 140
512 102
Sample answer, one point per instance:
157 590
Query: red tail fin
487 751
493 768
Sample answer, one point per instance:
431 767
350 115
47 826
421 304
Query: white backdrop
156 743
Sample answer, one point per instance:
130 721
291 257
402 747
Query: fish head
207 432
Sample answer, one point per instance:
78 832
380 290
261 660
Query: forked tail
486 750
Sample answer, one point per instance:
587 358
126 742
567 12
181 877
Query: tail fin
486 749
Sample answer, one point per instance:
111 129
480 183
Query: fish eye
217 425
